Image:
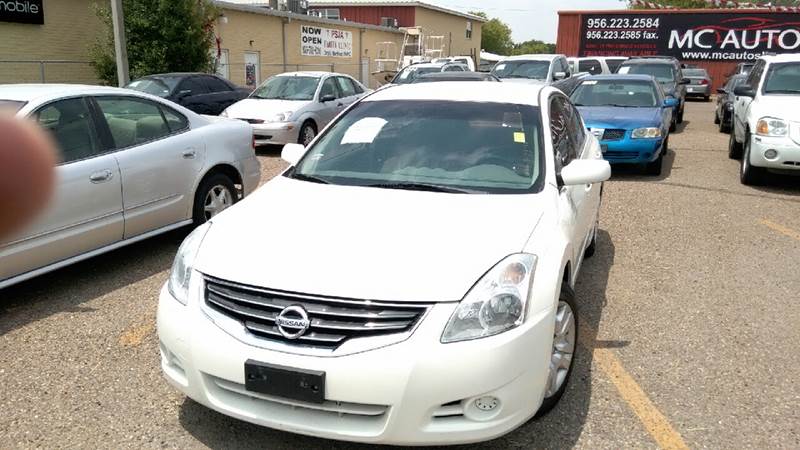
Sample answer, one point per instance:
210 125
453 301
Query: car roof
533 57
437 65
31 92
458 75
516 93
614 76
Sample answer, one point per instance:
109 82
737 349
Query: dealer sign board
701 37
318 41
22 11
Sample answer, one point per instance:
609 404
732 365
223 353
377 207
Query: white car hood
366 243
778 106
254 108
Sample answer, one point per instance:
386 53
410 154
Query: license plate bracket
288 382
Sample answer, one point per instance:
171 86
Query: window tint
590 65
216 85
783 78
577 132
329 88
193 85
345 86
559 131
133 121
175 120
357 87
71 126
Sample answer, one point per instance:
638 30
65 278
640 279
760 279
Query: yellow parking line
781 229
653 420
134 336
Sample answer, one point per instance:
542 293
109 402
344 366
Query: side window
559 130
175 120
577 132
345 87
755 74
592 66
72 128
193 86
133 121
216 85
328 88
356 87
564 65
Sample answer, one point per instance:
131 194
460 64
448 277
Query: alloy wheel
218 199
563 348
308 134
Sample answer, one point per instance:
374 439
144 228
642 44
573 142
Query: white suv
766 123
407 281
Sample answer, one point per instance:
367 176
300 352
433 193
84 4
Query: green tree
162 36
532 47
495 35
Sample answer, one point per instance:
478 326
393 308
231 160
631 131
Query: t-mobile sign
22 11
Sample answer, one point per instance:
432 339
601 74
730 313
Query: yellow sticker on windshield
519 137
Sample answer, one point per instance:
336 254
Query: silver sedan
131 166
700 83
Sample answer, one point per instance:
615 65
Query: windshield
783 79
625 93
11 106
536 70
431 145
287 88
695 73
409 74
664 73
154 86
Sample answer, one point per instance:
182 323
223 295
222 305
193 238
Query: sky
528 19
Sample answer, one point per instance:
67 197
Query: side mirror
585 171
292 153
685 81
721 91
671 102
744 90
560 75
327 98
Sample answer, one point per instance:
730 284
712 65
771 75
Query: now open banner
702 37
318 41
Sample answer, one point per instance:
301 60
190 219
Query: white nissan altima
408 280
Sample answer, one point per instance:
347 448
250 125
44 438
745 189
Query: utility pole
120 47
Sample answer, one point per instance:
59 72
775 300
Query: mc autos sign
22 11
736 36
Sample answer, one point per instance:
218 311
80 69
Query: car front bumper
415 392
631 151
278 133
788 157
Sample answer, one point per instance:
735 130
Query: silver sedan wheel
308 134
563 348
218 199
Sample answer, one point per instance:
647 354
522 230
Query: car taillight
703 81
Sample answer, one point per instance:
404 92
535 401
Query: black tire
724 128
734 148
654 168
308 130
592 247
716 119
680 113
567 295
673 125
217 180
749 174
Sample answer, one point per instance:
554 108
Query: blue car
630 116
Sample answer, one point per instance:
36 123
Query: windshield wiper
617 105
309 178
420 187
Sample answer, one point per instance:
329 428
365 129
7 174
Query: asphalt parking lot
689 321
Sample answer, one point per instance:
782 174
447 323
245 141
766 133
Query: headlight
496 303
282 117
646 133
178 284
769 126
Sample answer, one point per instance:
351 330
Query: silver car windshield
430 145
625 93
287 88
664 73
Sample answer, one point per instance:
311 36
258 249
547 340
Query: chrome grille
613 135
333 321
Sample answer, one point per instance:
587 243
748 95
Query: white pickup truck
766 119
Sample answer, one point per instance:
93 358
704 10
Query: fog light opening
487 403
481 409
771 154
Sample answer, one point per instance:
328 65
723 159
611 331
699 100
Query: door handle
189 153
101 176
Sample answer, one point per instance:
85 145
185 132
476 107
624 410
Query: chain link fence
47 71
